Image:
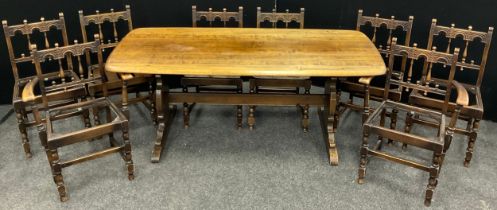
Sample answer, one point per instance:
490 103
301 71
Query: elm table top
246 52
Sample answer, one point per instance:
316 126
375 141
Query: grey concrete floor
212 165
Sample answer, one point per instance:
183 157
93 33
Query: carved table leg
328 120
164 117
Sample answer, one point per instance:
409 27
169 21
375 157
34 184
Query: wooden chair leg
305 118
239 116
364 158
365 114
24 134
186 111
86 118
471 142
408 126
124 98
251 117
127 152
382 122
57 175
393 122
433 180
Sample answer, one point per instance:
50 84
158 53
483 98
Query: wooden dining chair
381 31
471 67
112 27
46 34
54 135
437 140
280 85
218 83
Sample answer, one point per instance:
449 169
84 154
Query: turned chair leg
408 126
186 111
433 180
305 118
127 152
24 134
393 122
251 117
364 158
382 123
57 174
471 142
365 114
86 118
239 116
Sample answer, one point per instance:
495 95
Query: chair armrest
28 92
365 80
462 94
125 76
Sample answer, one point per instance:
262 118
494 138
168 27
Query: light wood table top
246 52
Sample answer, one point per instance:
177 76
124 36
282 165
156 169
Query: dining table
246 52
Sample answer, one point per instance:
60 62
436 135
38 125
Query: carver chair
112 27
382 31
218 83
53 134
46 33
471 69
280 85
437 140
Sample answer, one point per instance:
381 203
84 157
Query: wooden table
247 52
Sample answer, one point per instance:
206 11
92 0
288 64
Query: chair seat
57 139
474 109
372 124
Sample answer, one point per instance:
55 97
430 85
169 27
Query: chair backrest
390 24
62 55
27 30
213 16
468 36
99 19
286 17
431 59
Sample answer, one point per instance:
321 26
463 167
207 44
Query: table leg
328 118
165 115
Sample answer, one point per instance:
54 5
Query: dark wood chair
382 31
438 141
218 83
46 33
279 85
112 27
471 66
52 135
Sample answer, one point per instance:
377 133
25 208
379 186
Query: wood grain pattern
246 52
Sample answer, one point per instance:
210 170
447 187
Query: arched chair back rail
471 64
211 16
111 31
19 38
286 17
278 85
436 141
218 83
56 135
